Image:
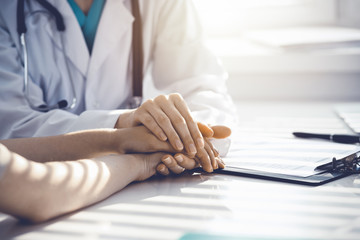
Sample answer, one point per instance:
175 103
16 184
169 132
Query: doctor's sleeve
182 63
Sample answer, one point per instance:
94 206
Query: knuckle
190 121
160 99
147 103
176 96
178 120
147 119
162 120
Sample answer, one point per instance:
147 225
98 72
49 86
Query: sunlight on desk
216 204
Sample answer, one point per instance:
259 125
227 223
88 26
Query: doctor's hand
168 118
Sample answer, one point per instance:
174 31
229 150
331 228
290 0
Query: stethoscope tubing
21 27
60 25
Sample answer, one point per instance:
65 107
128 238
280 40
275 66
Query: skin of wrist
117 141
138 167
143 166
126 161
132 162
104 143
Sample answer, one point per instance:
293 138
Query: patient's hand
145 164
139 140
181 161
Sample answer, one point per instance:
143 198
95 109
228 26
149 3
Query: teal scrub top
90 22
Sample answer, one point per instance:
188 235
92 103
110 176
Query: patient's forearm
88 144
76 145
38 191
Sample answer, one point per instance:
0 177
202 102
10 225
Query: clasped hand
174 130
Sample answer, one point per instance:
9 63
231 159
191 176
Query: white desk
219 204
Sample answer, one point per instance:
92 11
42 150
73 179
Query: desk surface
219 205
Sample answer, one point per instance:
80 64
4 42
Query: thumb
221 131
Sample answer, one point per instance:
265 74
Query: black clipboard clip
349 164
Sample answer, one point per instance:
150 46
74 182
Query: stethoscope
135 101
21 29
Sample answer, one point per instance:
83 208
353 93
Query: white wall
255 75
349 13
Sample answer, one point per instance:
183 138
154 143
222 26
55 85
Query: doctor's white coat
175 60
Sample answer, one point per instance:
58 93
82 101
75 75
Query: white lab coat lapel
114 23
73 42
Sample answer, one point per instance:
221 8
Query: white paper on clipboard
285 156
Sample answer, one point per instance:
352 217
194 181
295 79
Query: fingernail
216 166
179 145
163 136
162 168
180 169
220 162
167 160
179 158
192 148
200 142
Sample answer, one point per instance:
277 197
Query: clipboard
336 169
314 180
